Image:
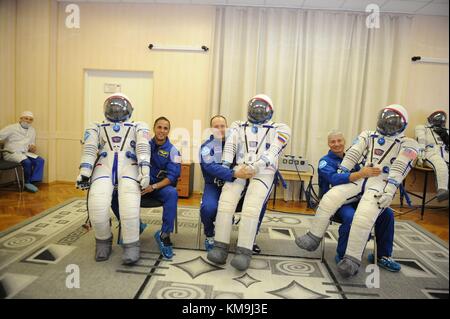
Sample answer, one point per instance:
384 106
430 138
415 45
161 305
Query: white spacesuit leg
229 198
363 221
99 203
228 201
330 203
328 206
256 195
129 203
440 167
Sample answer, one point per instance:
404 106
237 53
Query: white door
137 85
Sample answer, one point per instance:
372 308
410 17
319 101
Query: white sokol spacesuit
386 148
433 142
256 143
116 153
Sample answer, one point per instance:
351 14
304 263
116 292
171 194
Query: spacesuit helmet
117 108
437 118
392 120
260 109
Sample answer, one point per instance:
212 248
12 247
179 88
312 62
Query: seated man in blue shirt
215 175
384 226
164 172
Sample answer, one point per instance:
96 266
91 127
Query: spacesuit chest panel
383 151
433 138
255 141
118 137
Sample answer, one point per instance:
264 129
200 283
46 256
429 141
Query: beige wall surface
43 62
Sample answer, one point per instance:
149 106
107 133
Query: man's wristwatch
154 186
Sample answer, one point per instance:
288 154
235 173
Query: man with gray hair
329 176
20 147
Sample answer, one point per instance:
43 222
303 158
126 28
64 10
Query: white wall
42 67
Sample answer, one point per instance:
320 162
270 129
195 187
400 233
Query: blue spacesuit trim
226 164
406 168
393 182
114 169
130 154
105 124
363 186
344 169
144 164
85 165
278 175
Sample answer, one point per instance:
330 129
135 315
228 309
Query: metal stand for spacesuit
293 176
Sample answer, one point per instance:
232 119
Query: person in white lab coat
20 144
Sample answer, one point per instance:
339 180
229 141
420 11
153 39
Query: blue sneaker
209 243
337 258
165 246
31 188
387 263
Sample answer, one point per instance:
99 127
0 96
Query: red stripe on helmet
398 112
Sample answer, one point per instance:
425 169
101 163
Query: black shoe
256 249
166 241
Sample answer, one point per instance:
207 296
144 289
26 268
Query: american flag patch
410 153
146 135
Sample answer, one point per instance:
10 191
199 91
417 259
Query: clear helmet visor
390 122
259 111
117 109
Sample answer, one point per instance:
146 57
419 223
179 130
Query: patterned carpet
50 254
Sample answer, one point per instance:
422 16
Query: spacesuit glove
144 176
385 197
83 179
420 157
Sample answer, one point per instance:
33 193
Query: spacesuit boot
131 253
241 260
348 266
308 242
442 194
103 249
219 253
